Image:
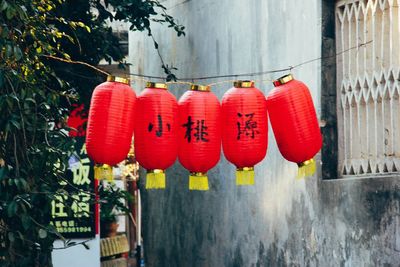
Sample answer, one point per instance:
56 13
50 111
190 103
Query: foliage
36 92
113 201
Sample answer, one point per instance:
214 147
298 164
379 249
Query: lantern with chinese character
294 122
110 124
199 134
244 129
156 140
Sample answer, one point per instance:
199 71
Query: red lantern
245 129
294 122
156 140
76 121
199 134
111 121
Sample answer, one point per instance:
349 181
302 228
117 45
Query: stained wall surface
280 221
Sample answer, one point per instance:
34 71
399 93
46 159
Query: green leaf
12 209
9 50
3 5
10 12
3 173
15 123
26 221
17 53
11 236
42 233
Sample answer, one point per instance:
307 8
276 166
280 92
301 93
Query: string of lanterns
193 128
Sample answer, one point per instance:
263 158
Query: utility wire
290 68
191 80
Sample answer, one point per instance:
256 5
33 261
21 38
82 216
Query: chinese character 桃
159 130
246 126
199 131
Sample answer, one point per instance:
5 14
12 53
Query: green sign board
73 210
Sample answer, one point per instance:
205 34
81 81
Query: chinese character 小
159 131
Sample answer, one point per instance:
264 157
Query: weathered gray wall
281 221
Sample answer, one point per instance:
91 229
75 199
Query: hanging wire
191 80
178 82
252 74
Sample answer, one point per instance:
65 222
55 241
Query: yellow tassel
245 176
198 181
155 179
306 169
103 172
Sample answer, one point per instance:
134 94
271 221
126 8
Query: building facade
348 214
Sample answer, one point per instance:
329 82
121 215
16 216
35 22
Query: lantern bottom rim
103 165
198 174
305 163
156 171
246 169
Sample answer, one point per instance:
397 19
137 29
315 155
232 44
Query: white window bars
368 86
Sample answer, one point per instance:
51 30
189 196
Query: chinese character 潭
247 126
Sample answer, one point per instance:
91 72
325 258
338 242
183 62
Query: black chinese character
249 128
160 126
200 130
189 128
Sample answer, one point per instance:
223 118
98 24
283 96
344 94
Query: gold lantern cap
284 79
198 87
112 78
243 84
156 85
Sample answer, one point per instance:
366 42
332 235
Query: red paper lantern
294 122
245 129
156 136
199 134
111 121
76 121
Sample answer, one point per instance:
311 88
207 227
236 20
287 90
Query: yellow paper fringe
307 169
245 176
103 172
155 180
198 181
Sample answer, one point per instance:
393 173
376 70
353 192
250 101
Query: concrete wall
77 255
281 221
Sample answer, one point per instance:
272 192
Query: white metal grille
368 86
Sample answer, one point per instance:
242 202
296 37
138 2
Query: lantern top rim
198 87
243 84
156 85
284 79
112 78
